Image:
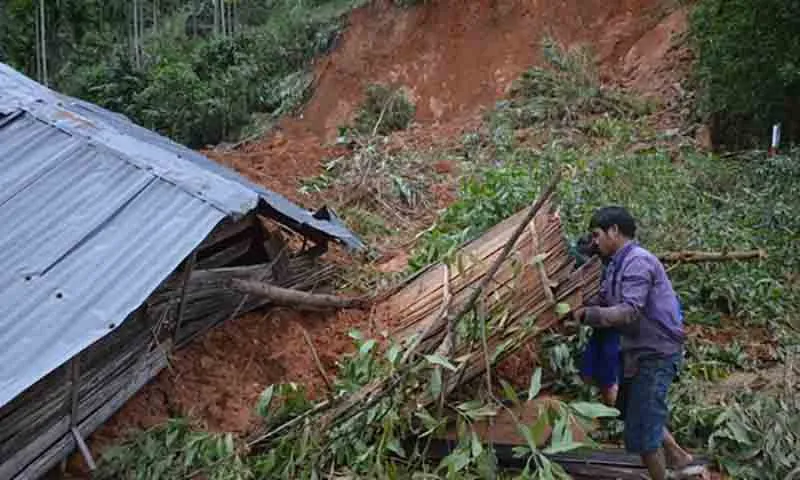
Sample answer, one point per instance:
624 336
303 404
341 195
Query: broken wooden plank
226 229
227 255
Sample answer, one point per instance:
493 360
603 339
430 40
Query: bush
385 110
747 68
566 88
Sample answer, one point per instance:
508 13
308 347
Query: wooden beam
226 230
227 255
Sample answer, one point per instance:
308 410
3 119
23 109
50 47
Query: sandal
689 471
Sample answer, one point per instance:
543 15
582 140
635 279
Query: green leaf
520 452
456 461
477 446
536 384
356 335
509 393
562 447
366 347
485 411
229 446
562 309
265 401
526 433
593 410
500 349
739 433
539 428
561 432
435 385
394 446
439 360
393 353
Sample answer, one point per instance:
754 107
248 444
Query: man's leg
675 456
646 414
656 464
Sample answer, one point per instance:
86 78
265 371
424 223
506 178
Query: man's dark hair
606 217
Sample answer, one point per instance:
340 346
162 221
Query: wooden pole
287 296
317 361
187 273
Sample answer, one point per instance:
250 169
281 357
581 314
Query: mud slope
455 57
458 56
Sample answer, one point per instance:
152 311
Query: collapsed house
118 246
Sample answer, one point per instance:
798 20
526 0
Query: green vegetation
684 200
747 70
384 440
195 86
170 451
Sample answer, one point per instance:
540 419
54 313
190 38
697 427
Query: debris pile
456 322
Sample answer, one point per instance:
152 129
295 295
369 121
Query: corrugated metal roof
94 213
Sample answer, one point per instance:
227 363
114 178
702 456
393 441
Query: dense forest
196 70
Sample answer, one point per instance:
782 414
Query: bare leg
656 464
676 456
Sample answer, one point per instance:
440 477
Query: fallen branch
295 298
697 257
320 368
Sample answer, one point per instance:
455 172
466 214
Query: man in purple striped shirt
637 299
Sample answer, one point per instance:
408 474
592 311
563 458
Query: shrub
385 110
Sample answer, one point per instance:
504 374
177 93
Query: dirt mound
219 377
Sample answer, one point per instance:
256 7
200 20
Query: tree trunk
38 48
236 14
136 33
141 30
195 14
296 298
216 17
155 17
231 24
43 31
